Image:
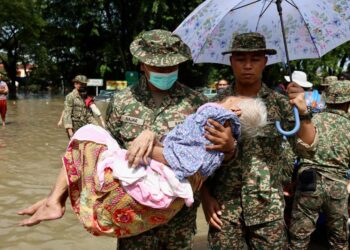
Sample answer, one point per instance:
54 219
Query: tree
21 24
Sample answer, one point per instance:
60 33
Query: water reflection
31 147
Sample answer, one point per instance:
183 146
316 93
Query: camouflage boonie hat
81 79
249 42
329 80
338 92
160 48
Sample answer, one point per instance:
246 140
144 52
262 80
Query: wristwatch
307 116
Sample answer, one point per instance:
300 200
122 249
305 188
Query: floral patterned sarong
108 210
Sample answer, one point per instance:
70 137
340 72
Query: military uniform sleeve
68 108
113 116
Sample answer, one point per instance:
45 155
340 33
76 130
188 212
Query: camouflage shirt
76 114
332 157
250 185
133 110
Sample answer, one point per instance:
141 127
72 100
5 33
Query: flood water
31 147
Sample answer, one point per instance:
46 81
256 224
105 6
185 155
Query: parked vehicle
209 92
105 95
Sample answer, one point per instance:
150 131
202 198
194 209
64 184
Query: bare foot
41 211
33 208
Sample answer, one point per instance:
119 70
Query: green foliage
92 37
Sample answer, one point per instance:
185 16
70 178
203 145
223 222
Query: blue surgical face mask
163 81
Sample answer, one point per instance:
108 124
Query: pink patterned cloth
154 186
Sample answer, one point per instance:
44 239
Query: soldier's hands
211 209
296 96
220 136
60 123
141 148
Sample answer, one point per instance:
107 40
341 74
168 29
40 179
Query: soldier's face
148 68
77 85
248 67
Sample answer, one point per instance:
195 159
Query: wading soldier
76 114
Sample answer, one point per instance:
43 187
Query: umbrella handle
296 127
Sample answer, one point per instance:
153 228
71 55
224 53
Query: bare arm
157 154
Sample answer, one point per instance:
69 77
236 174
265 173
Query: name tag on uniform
132 120
173 124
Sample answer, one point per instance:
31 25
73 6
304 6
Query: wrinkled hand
141 148
296 96
220 136
211 209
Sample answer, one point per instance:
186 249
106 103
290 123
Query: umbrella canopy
312 27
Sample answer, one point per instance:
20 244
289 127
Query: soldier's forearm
307 132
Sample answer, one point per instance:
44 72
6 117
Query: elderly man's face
248 67
222 84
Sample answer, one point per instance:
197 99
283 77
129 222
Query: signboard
132 77
115 84
95 82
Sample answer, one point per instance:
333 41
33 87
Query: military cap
160 48
81 79
329 80
338 92
249 42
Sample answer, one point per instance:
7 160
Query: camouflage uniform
331 163
76 114
134 110
249 186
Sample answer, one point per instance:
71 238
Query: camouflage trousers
266 236
177 234
331 198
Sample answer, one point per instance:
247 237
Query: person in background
328 80
322 179
314 100
76 114
90 103
221 86
3 100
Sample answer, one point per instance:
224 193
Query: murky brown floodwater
31 147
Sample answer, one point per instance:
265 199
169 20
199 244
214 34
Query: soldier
140 115
243 202
76 114
322 180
